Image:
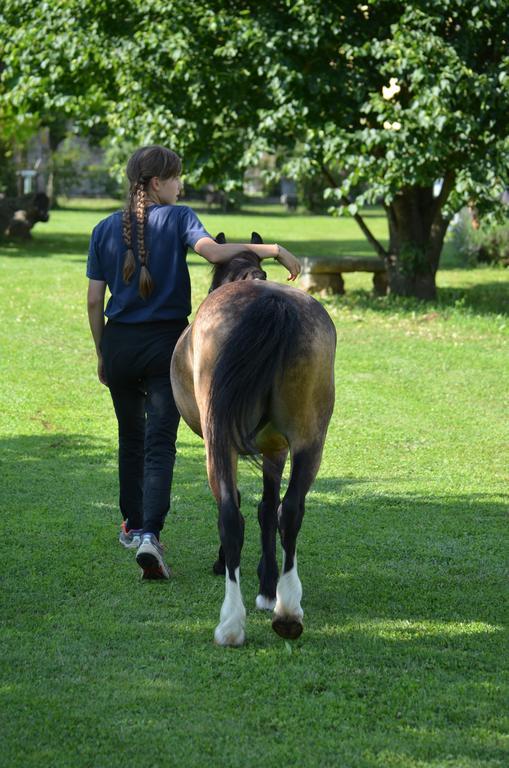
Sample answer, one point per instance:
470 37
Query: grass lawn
402 554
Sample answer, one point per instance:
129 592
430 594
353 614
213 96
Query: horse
254 374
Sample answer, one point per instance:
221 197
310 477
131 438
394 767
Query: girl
140 254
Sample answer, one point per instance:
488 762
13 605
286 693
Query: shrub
67 164
310 191
465 239
101 182
494 246
488 244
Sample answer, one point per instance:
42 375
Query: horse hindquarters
274 366
242 377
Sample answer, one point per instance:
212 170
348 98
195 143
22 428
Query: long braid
146 285
145 164
129 261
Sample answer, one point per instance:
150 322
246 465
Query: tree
151 71
400 96
42 48
441 114
397 95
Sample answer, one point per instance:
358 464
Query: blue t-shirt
169 231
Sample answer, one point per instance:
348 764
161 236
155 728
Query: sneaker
150 558
130 538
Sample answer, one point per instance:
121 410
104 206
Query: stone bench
325 276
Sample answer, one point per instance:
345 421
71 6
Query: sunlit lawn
402 554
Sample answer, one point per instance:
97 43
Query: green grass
402 554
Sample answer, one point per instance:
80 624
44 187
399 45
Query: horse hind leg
232 617
288 613
219 567
267 517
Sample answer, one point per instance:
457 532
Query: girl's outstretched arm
218 253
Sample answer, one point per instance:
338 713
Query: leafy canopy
391 94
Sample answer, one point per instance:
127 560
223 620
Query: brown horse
254 374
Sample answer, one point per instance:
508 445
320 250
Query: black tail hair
255 350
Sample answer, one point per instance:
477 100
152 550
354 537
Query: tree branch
393 231
391 215
358 218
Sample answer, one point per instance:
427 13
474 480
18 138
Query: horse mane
244 266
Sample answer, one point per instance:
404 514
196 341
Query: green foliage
311 189
72 166
488 244
222 82
447 110
101 181
465 239
7 170
412 260
11 132
494 246
67 166
395 94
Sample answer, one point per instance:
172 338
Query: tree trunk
416 235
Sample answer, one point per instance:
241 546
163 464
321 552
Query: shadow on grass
272 210
402 639
46 245
487 298
104 210
483 299
363 553
250 210
74 246
42 468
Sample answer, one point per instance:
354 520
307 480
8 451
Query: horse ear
256 238
220 238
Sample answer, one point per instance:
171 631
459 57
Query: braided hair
143 165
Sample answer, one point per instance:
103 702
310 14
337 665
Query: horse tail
258 346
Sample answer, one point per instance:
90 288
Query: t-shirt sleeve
94 269
191 228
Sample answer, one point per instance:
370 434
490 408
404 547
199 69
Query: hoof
265 603
219 568
228 638
287 628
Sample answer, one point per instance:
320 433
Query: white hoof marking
265 603
232 619
289 595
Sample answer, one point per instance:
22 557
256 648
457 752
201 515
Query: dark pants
137 360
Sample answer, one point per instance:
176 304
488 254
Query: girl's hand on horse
219 253
288 260
100 370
